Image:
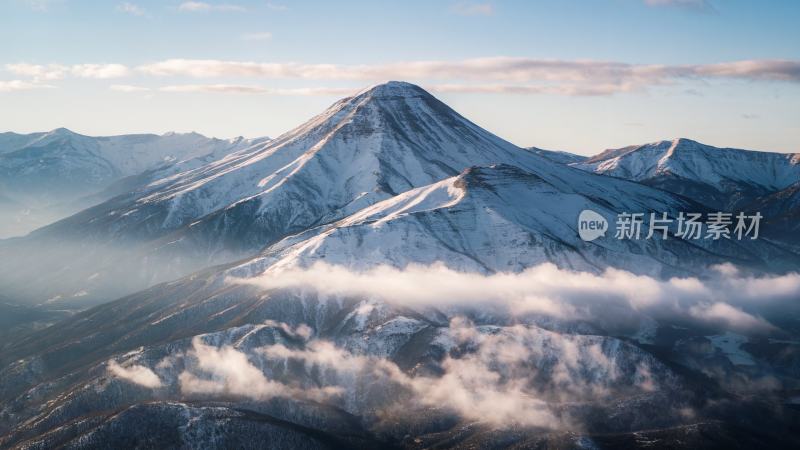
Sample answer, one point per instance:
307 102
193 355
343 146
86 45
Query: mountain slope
782 212
502 218
721 178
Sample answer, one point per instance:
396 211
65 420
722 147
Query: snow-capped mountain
386 140
383 141
722 178
391 179
52 175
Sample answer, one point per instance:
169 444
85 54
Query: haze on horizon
580 76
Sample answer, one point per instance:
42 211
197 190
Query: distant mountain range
48 176
722 178
725 179
187 345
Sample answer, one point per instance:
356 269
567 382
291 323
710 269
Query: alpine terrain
391 275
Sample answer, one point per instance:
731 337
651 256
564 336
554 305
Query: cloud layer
727 301
508 69
500 376
513 75
507 373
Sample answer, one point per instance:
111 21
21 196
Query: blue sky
574 75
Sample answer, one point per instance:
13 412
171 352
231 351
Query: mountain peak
685 143
393 89
61 131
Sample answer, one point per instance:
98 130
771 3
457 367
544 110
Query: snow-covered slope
503 219
719 177
386 140
52 175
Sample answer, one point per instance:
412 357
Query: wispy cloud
507 74
99 71
137 374
473 8
21 85
496 68
500 376
251 89
258 36
228 371
38 72
130 8
49 72
499 75
207 7
592 90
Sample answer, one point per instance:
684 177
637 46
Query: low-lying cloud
500 376
136 374
227 371
727 300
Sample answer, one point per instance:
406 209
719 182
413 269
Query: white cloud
130 8
99 71
38 72
589 90
729 317
494 74
136 374
259 36
728 301
500 376
49 72
227 371
206 7
783 70
21 85
250 89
